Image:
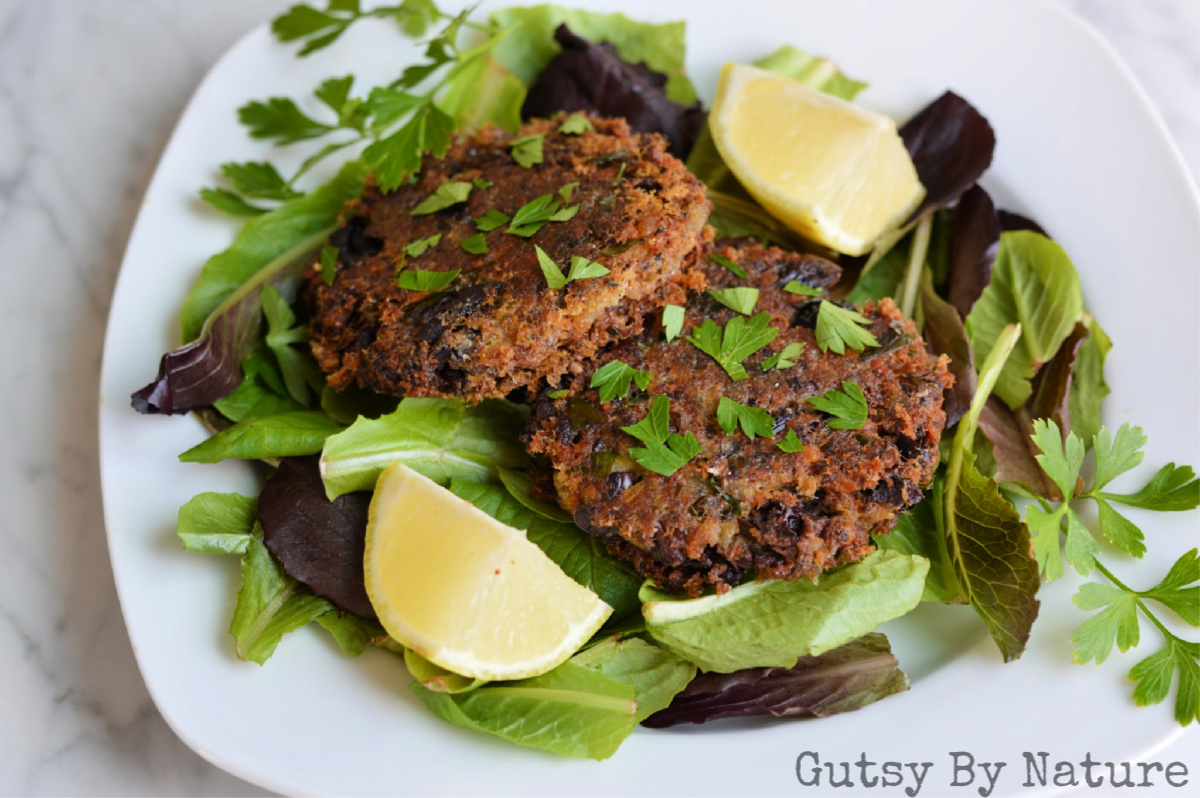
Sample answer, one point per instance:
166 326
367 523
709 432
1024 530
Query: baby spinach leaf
438 438
285 435
571 711
772 623
847 678
1034 285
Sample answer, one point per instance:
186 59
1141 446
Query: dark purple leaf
951 145
1015 221
847 678
945 335
974 237
591 77
1010 431
319 543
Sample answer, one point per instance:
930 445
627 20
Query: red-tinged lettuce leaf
946 335
974 237
1015 221
222 316
318 542
592 77
844 679
1011 431
951 145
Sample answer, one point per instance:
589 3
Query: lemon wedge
465 591
836 173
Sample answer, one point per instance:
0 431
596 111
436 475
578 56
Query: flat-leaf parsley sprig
1173 488
666 452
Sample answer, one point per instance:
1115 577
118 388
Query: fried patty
498 327
744 506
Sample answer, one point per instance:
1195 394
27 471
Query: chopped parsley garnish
575 124
565 191
620 174
559 394
672 319
481 184
421 245
491 220
797 287
784 359
738 271
615 378
527 150
790 443
537 213
476 244
422 280
741 300
449 193
838 328
329 258
741 339
581 269
752 420
665 452
847 406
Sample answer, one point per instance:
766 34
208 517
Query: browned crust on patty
744 506
498 327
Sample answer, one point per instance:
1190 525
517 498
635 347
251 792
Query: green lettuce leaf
656 674
530 43
438 438
285 435
572 711
484 92
253 399
581 556
772 623
920 532
218 523
436 678
1088 388
265 238
351 632
1034 285
269 604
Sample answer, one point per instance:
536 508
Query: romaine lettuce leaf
1034 285
847 678
571 711
772 623
438 438
436 678
656 674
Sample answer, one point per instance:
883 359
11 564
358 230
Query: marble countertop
89 93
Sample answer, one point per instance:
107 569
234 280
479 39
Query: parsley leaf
740 339
421 245
422 280
581 269
299 372
615 378
481 184
753 421
226 201
1118 624
672 319
797 287
329 259
490 221
476 244
575 124
790 443
741 300
323 28
1172 489
537 213
620 174
452 192
257 180
559 394
848 406
280 120
838 328
566 191
527 150
784 359
738 271
398 156
665 452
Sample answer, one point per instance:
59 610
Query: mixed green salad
989 289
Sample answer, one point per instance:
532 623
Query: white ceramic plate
1079 149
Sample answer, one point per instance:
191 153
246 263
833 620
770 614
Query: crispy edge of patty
744 506
498 327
